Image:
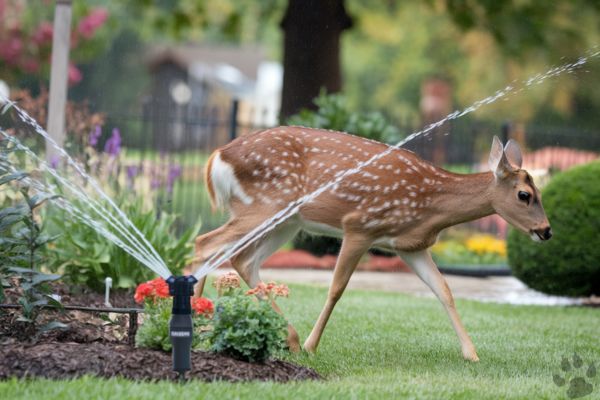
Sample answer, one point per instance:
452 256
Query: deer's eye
524 196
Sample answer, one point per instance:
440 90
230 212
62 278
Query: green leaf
17 176
52 325
54 303
40 277
20 270
38 199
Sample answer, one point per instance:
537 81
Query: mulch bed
59 360
95 345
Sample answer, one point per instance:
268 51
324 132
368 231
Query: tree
311 59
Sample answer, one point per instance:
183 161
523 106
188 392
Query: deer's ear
495 154
513 154
498 162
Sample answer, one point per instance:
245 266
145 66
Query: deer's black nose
547 234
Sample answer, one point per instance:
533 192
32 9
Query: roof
244 58
557 157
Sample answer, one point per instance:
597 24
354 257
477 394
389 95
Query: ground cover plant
388 345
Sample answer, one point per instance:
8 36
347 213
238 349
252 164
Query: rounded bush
569 263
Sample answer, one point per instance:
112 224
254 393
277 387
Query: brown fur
399 202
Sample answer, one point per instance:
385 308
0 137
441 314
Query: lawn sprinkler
181 326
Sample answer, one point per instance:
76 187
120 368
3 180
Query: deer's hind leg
248 262
210 243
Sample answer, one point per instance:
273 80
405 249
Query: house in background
194 86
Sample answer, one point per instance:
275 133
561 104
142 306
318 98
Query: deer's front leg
423 265
354 245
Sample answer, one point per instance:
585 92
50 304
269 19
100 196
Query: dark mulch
58 360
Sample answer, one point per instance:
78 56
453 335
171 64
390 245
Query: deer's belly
318 228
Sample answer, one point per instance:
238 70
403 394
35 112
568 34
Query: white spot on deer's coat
225 184
373 223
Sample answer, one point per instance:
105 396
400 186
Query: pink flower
89 24
43 34
11 49
270 289
30 65
75 75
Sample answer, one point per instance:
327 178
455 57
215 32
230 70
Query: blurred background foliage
478 46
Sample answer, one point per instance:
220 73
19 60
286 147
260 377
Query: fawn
399 203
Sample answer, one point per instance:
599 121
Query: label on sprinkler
180 333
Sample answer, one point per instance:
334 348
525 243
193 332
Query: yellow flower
483 243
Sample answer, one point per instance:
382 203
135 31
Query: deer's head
515 197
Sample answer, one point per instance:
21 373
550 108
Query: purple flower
174 173
113 144
95 136
132 172
155 181
54 161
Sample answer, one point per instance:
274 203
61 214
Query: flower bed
97 344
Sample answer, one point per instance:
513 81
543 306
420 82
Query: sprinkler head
181 325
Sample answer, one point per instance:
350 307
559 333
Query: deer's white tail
222 184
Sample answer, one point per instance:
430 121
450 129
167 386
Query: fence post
233 119
59 76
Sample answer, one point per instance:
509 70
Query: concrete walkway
493 289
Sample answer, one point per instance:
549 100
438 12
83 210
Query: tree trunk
311 61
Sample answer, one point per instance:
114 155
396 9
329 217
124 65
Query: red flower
202 305
142 291
161 287
154 289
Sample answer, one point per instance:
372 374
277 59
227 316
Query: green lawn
386 345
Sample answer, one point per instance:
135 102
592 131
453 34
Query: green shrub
84 256
246 328
333 113
568 264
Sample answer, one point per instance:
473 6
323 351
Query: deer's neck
467 198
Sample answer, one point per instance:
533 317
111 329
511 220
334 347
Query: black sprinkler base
181 326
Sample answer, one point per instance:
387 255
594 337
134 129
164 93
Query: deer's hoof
293 346
309 348
471 356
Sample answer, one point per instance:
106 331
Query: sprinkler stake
181 325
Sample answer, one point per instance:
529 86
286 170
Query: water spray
181 327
